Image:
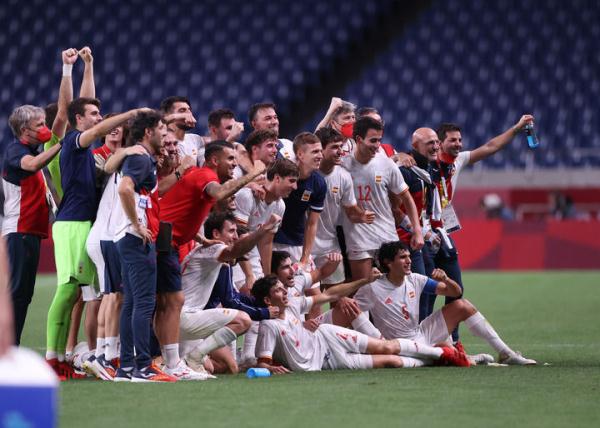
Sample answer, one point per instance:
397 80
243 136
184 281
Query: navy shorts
168 271
113 282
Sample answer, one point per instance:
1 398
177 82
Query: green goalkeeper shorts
70 253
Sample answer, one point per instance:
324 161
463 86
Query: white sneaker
480 359
182 372
77 356
516 359
195 360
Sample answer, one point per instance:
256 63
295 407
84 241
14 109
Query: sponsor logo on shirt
306 196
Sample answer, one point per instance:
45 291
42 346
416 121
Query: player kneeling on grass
393 302
285 340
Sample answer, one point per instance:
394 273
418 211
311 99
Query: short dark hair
303 139
167 103
256 107
388 251
142 121
257 137
216 221
125 127
77 107
51 110
277 258
215 116
283 168
262 287
215 147
363 124
364 111
328 136
444 128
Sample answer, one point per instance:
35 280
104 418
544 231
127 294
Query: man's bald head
425 142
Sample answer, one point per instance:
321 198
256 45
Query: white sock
410 348
171 355
51 354
408 362
110 350
362 324
248 351
99 346
61 357
478 325
218 339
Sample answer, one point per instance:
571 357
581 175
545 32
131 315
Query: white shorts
345 348
433 329
337 277
199 324
362 254
95 253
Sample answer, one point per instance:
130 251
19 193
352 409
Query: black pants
24 256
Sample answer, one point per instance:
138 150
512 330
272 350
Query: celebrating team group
325 252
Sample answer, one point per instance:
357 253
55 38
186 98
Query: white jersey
287 341
255 212
192 145
372 182
395 309
106 217
460 162
340 193
287 149
199 271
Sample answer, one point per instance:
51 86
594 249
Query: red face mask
347 130
43 134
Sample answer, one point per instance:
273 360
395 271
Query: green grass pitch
553 317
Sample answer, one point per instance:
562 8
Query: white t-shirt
287 150
287 341
106 217
199 271
372 182
460 162
192 145
255 212
339 194
395 310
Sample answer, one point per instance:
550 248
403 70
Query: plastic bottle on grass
257 372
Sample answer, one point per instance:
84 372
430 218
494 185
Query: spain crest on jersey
411 294
335 189
378 178
306 196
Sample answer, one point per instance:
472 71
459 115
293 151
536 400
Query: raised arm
245 244
446 286
101 129
114 162
335 293
225 190
497 143
65 93
88 87
333 106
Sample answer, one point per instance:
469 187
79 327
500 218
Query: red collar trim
446 158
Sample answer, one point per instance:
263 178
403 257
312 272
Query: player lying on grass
285 340
393 302
299 283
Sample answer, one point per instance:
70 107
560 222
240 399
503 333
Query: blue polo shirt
78 179
310 194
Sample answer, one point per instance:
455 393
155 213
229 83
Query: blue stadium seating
482 64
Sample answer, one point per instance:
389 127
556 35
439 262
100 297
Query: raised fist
69 56
86 54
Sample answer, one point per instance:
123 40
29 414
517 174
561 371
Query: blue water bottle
257 372
532 139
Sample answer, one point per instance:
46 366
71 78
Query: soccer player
26 207
378 187
340 196
185 206
201 268
178 115
304 205
263 116
330 347
76 212
136 235
393 302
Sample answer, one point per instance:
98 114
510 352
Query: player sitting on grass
285 340
393 302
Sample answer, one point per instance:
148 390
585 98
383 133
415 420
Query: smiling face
227 162
285 273
369 146
90 118
452 144
228 233
266 118
283 186
310 155
401 262
333 152
426 143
